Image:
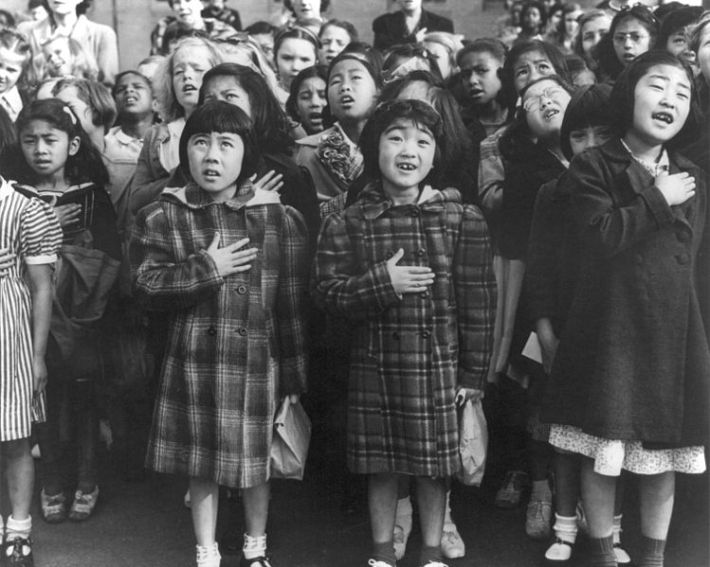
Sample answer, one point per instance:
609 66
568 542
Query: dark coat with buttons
409 353
236 344
633 361
390 29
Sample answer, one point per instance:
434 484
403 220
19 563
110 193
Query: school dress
631 374
236 344
31 231
409 353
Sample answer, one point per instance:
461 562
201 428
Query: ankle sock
384 552
601 552
566 528
616 529
208 555
428 554
18 528
541 491
652 552
254 546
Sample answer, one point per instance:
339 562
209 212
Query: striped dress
29 230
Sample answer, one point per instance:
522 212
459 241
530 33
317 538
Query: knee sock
652 552
208 555
254 546
428 554
384 552
18 528
601 552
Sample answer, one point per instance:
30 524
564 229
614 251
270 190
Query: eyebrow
667 79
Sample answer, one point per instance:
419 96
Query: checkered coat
409 353
235 344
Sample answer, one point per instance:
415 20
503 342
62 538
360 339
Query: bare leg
598 495
567 483
20 471
431 497
205 503
657 496
256 508
382 502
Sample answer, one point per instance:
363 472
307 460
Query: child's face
215 161
64 7
11 65
188 12
704 53
479 74
661 104
310 102
677 44
39 14
545 103
572 23
592 32
306 9
333 40
228 89
46 148
70 95
352 93
590 137
59 57
631 39
442 57
294 55
189 65
134 96
529 67
406 155
532 19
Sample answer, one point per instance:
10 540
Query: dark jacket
390 28
633 361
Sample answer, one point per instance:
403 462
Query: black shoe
261 561
18 552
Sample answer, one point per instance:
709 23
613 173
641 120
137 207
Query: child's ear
74 145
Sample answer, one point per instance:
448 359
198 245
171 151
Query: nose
211 153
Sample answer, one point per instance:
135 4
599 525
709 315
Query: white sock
18 528
541 491
616 529
447 513
403 517
254 546
208 555
566 528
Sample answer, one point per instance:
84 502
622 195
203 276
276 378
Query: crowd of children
251 217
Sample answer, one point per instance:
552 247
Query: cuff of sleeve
472 380
383 284
41 259
658 206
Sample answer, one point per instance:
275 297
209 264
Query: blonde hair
83 63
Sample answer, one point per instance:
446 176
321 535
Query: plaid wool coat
409 353
235 344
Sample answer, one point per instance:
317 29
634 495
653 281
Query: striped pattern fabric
409 354
235 345
30 230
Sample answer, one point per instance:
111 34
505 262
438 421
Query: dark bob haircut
319 71
495 47
622 95
296 32
219 116
588 107
421 113
676 21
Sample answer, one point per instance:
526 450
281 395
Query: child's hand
7 260
39 370
676 188
419 36
68 214
465 394
230 259
270 181
408 279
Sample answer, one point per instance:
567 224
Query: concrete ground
144 524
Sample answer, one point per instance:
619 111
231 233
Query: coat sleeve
342 287
475 289
292 302
160 282
613 213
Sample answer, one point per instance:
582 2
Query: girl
550 279
16 73
565 33
307 99
632 32
294 50
333 157
533 20
394 428
334 36
64 56
177 85
634 345
307 13
56 162
30 236
675 30
227 302
593 26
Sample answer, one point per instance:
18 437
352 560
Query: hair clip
71 114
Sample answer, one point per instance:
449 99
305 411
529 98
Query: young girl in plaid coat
229 263
410 265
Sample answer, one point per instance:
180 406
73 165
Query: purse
289 447
473 443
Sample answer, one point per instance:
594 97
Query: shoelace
18 548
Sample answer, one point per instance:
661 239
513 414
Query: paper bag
473 443
292 435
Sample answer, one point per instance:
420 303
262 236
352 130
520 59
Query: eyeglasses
635 37
533 103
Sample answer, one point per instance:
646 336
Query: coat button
211 331
421 252
683 236
426 334
242 332
242 289
682 259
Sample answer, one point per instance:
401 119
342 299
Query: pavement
145 524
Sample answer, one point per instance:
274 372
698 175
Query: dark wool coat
390 29
409 353
235 344
633 361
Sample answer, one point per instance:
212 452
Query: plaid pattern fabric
236 344
409 354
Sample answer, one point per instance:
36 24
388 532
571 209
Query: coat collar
193 197
614 151
374 203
